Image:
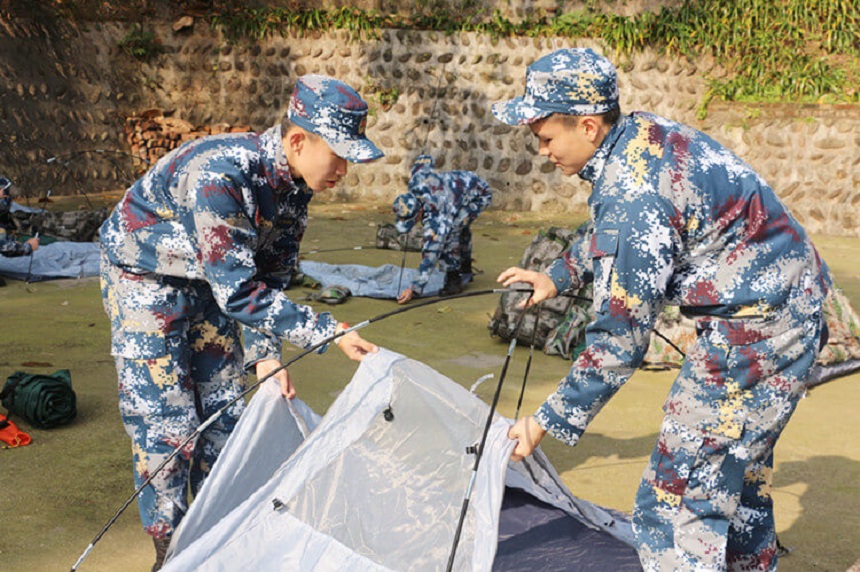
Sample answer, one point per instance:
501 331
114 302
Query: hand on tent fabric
540 282
528 434
355 347
405 296
34 243
267 366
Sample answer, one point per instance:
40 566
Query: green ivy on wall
765 51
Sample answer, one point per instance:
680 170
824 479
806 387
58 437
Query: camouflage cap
405 208
422 162
335 112
573 81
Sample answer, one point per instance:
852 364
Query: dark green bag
43 401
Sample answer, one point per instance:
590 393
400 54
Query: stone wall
67 90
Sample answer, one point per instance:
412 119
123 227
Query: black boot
161 545
466 266
453 283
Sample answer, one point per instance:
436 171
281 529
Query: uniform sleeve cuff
560 275
552 423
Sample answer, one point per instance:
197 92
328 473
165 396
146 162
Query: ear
590 126
295 140
593 128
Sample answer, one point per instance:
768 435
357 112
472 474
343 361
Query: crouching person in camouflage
447 202
9 246
200 248
678 219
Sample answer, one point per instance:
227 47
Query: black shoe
161 545
453 283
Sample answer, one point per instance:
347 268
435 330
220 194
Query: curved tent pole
253 386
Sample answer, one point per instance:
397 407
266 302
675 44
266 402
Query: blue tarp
380 282
55 260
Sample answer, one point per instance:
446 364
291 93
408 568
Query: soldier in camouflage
447 202
677 219
199 249
9 246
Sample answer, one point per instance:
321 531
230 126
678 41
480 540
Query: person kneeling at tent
677 218
447 203
10 246
201 247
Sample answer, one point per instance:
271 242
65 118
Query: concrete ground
57 493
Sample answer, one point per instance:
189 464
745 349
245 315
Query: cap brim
360 150
517 112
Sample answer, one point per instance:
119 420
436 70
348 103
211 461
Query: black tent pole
480 450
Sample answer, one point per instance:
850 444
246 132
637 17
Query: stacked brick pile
151 135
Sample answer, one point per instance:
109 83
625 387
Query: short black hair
610 117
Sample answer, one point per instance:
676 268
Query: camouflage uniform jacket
224 209
451 200
11 247
679 219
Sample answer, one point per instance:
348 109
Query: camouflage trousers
457 250
704 503
179 360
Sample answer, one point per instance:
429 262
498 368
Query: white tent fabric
377 484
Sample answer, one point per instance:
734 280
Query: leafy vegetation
141 44
792 50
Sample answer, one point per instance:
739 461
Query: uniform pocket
689 465
139 345
604 247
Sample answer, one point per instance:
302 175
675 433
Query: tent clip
472 449
277 504
388 414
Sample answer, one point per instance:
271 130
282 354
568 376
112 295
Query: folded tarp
44 401
369 282
52 261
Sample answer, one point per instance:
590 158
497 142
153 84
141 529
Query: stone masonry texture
68 94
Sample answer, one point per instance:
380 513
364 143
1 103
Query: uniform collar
277 168
593 170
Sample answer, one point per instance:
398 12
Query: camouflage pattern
11 247
224 209
201 244
451 201
406 208
335 112
705 499
679 219
179 360
575 81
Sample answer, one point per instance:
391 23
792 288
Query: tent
378 484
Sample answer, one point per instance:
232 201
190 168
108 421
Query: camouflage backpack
387 237
561 321
75 226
